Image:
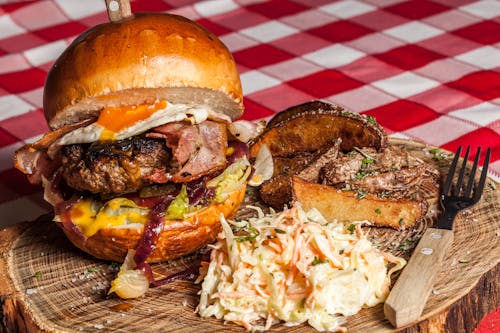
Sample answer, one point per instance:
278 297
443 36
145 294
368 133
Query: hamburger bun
142 61
138 60
177 238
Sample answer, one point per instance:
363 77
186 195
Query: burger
143 152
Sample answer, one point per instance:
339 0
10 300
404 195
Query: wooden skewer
118 9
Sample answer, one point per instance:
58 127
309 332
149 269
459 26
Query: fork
409 295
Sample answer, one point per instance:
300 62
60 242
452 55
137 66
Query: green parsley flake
252 234
361 193
378 211
351 228
317 261
37 275
407 245
438 154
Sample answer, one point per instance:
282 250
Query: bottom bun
178 237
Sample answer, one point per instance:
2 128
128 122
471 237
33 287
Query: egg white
171 113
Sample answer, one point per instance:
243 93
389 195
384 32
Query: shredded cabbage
231 179
179 207
293 267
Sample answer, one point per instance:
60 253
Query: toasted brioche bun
178 237
138 60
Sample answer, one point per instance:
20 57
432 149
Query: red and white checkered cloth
427 70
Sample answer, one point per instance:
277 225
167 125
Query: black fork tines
457 190
482 180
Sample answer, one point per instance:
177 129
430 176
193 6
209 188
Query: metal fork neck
445 221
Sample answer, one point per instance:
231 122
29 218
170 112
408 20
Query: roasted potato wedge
346 206
309 126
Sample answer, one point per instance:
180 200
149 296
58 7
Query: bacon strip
39 159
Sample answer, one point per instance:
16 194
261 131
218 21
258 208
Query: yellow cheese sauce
119 211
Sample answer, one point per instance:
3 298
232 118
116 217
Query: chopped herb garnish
37 275
368 160
361 193
371 119
407 245
345 113
352 154
464 261
438 154
384 194
318 261
341 251
114 265
351 228
91 271
401 221
303 303
279 231
378 211
252 234
360 174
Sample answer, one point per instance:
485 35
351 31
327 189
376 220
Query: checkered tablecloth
427 70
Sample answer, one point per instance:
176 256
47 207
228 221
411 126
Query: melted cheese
118 212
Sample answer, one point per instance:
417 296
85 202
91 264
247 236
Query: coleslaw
293 267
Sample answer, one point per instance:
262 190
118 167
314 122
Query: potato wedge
347 207
307 127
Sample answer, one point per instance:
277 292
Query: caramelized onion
245 130
130 282
263 167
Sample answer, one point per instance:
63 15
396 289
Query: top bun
138 60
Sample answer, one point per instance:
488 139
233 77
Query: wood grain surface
48 285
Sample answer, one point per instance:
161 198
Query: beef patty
115 167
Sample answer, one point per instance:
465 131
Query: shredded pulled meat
392 171
197 150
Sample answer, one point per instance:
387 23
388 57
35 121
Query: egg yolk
116 118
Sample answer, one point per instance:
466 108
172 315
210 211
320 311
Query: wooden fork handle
409 295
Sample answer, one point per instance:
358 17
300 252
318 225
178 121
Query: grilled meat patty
115 167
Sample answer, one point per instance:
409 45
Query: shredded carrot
285 270
275 247
269 322
234 294
359 231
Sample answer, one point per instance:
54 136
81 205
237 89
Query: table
427 70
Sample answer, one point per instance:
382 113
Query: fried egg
118 123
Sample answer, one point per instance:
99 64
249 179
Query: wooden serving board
48 285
